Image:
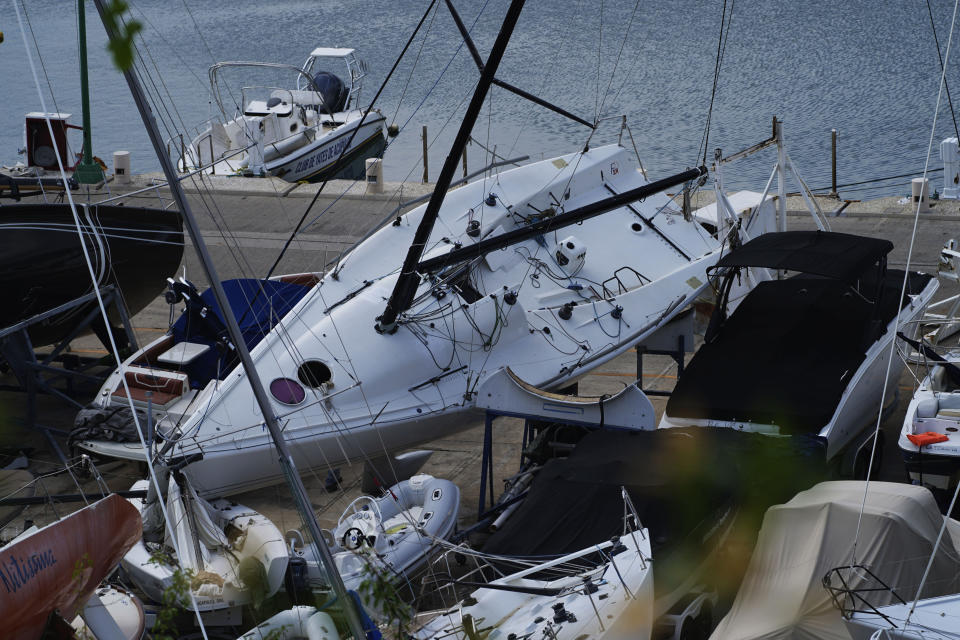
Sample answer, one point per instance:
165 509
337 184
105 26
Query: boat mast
285 458
87 170
407 282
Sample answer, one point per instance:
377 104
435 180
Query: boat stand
39 372
505 394
674 340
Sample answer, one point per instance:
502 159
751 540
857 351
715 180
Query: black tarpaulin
824 253
684 483
788 352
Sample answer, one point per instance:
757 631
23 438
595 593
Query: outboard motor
295 580
333 91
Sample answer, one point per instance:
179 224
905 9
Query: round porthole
314 373
287 391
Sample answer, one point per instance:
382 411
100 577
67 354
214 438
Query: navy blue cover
257 304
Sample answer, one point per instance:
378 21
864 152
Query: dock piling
425 171
833 163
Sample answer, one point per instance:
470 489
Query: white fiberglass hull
932 618
614 601
549 312
316 160
308 155
934 410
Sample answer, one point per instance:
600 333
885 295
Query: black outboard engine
333 91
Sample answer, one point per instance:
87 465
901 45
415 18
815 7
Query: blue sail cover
258 305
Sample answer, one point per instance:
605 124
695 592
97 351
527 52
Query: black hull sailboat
42 263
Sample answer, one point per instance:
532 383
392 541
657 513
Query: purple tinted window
287 391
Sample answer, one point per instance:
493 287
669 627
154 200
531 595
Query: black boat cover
823 253
686 485
787 353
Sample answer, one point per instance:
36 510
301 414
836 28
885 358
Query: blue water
868 69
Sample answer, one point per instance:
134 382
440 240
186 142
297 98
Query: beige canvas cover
782 595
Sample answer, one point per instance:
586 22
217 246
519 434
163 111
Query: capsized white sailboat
552 307
551 269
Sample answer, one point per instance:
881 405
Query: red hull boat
58 567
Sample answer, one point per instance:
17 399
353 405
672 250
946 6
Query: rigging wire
936 40
616 63
383 85
721 50
596 99
43 67
896 321
183 63
416 61
103 312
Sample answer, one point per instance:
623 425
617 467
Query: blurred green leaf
121 44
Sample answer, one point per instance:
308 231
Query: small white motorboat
827 329
602 591
234 555
930 437
396 533
295 134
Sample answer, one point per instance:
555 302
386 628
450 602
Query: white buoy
920 189
950 154
121 167
374 169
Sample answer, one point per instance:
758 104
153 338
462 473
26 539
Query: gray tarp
782 595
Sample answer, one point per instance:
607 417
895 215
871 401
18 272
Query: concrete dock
247 221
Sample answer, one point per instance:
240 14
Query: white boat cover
782 595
